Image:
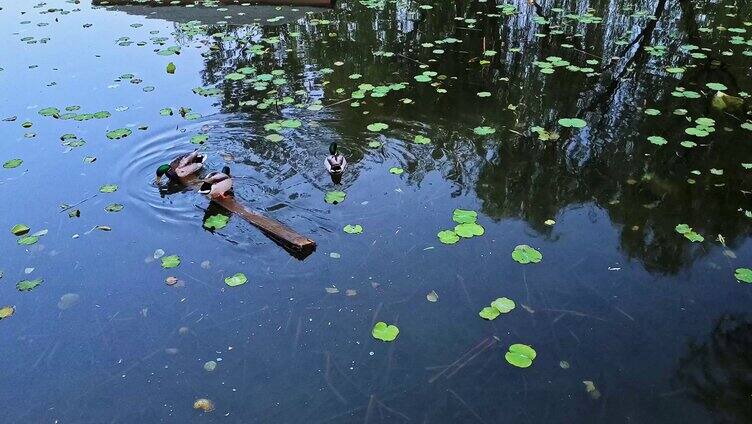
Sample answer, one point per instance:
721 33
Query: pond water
589 130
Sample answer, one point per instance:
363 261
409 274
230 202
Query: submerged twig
76 204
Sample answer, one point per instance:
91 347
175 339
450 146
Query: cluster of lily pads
466 227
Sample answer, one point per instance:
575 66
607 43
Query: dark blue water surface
658 324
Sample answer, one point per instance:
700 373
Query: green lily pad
716 86
448 237
683 229
525 254
170 68
28 285
13 163
114 207
520 355
744 275
657 140
50 111
489 313
463 216
353 229
19 229
108 188
118 133
469 229
572 123
171 261
200 138
377 126
274 138
236 280
28 240
396 171
503 304
419 139
335 197
483 130
384 332
216 222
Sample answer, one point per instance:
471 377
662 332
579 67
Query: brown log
295 243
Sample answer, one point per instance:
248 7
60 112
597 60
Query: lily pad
744 275
483 130
335 197
525 254
13 163
572 123
108 188
520 355
118 133
353 229
19 229
7 312
448 237
503 304
716 86
396 170
114 207
463 216
216 222
419 139
377 126
469 229
657 140
489 313
236 280
28 285
385 332
171 261
28 240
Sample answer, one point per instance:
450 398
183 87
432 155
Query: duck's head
226 170
161 171
333 149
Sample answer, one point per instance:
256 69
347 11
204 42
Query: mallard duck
335 163
182 166
217 184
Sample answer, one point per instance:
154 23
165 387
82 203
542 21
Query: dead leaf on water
591 390
7 312
351 292
432 296
204 405
331 290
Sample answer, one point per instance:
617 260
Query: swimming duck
217 184
182 166
335 163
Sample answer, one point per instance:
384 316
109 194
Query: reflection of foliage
718 373
514 172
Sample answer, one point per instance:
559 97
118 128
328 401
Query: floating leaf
377 126
108 188
200 138
28 240
114 207
469 229
170 68
396 171
503 304
335 197
216 222
462 216
744 275
419 139
171 261
382 331
353 229
520 355
19 229
28 285
489 313
483 130
657 140
7 312
13 163
572 123
525 254
448 237
716 86
118 133
432 296
236 280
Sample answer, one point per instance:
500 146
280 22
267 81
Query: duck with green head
218 185
183 166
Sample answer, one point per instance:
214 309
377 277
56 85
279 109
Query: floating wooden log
298 245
